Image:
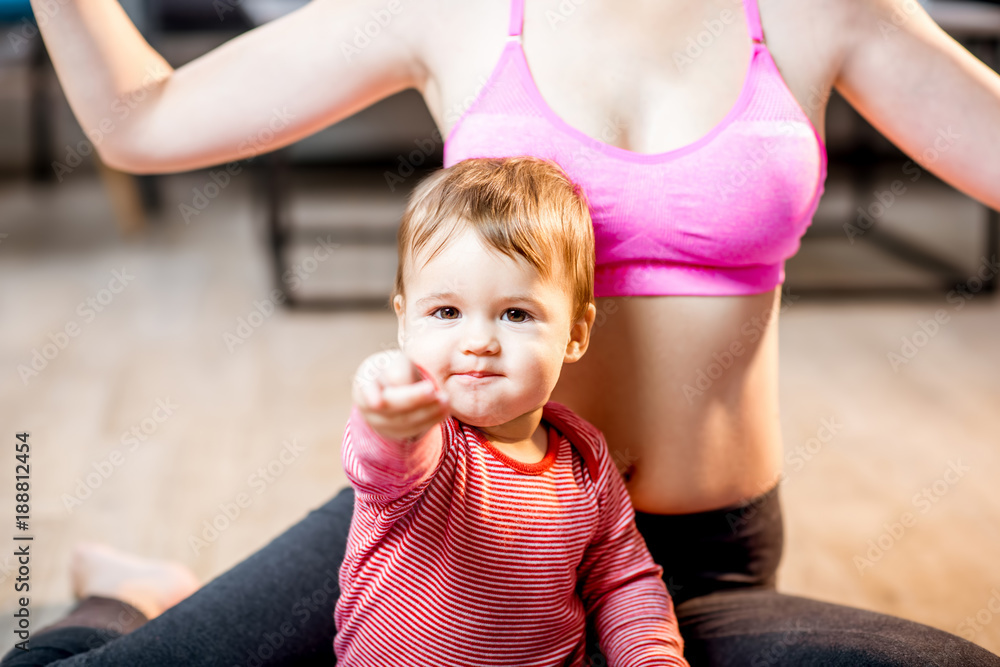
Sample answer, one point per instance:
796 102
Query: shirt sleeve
383 469
622 587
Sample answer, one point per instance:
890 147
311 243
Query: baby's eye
517 315
447 313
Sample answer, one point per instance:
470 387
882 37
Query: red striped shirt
459 555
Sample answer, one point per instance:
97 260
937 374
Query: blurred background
174 341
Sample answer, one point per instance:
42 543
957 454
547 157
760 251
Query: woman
696 130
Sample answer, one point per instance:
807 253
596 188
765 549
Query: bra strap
753 20
516 18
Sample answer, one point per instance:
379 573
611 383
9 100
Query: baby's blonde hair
521 206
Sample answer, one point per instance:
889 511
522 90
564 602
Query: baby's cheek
548 359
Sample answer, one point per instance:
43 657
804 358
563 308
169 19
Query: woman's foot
151 586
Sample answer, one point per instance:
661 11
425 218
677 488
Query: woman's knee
769 629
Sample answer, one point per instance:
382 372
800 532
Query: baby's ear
398 305
579 337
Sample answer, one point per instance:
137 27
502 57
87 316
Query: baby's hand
395 401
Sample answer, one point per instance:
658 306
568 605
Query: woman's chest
643 79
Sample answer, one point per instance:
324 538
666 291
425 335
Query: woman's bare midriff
696 421
685 391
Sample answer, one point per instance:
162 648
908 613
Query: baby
490 524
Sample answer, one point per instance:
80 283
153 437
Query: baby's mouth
476 376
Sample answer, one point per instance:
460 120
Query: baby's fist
382 369
395 399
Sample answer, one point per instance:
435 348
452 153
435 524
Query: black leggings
276 607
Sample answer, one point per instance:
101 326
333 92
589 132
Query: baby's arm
621 585
392 442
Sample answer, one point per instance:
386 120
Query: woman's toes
151 586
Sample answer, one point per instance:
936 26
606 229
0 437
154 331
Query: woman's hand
394 398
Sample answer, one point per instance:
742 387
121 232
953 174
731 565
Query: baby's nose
483 348
480 339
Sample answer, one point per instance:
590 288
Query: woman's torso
684 387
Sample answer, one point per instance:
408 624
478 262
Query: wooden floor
234 395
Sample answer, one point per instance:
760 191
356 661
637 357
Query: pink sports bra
716 217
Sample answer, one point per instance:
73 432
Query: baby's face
491 331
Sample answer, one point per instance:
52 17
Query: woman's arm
264 89
926 93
